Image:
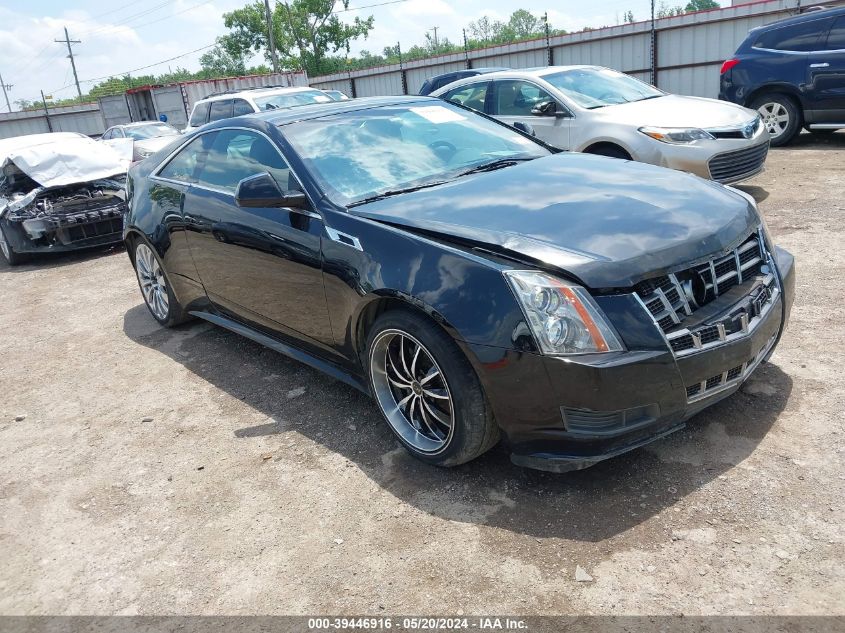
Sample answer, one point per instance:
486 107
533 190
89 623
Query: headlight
676 135
563 317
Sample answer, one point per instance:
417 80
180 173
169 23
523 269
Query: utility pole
5 88
466 50
46 111
69 41
434 28
270 39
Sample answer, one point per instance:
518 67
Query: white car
601 111
225 105
148 136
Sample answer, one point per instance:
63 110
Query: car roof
521 73
139 123
317 110
807 16
252 92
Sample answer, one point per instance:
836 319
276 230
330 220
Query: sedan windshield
599 87
290 100
153 130
383 151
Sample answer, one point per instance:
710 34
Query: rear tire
12 258
781 117
427 391
155 286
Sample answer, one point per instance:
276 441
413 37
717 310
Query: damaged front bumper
65 218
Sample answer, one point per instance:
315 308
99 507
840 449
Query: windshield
359 155
598 87
290 100
152 130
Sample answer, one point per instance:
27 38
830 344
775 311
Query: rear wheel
427 391
11 257
781 117
155 287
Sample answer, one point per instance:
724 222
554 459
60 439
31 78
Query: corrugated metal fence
84 118
688 51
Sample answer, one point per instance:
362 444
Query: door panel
513 100
826 77
261 264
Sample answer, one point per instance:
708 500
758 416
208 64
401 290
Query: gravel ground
191 471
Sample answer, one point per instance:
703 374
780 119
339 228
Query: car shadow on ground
815 140
589 506
47 261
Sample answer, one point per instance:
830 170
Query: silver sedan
601 111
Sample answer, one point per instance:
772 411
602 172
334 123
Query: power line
161 19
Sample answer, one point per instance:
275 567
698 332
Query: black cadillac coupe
479 285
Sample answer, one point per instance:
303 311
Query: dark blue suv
793 73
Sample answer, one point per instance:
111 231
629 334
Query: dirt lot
139 479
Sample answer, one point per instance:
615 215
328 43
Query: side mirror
525 128
545 108
261 190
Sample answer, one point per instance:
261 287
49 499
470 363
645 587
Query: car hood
157 143
64 159
678 111
606 222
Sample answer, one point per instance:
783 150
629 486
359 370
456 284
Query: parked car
438 81
224 105
793 73
476 283
59 192
337 95
148 136
601 111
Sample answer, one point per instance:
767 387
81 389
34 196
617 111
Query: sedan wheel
427 391
152 282
412 391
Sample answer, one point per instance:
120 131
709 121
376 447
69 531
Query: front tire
427 391
156 288
781 117
12 258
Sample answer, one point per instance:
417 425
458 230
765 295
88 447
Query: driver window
238 154
471 96
517 98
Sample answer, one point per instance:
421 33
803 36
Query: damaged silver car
59 192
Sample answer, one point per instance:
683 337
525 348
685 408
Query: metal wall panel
114 109
515 59
384 84
626 52
84 119
699 81
342 85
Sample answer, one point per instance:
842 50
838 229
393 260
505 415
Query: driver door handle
821 65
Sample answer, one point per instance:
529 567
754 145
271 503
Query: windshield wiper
395 192
650 97
496 164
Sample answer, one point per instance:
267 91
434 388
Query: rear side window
237 154
220 110
836 39
471 96
200 114
184 166
242 107
802 37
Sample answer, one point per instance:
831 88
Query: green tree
485 29
524 24
306 33
700 5
628 18
226 58
665 11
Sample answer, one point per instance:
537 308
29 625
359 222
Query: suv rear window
200 114
801 37
221 110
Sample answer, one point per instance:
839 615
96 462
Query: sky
125 35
